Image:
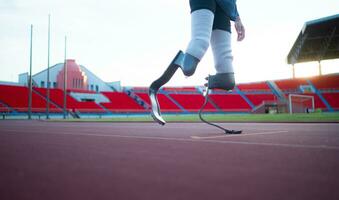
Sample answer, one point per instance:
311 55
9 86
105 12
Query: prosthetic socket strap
223 81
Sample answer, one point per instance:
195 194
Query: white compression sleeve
201 30
222 51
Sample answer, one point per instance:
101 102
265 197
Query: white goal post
300 103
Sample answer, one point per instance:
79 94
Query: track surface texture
63 160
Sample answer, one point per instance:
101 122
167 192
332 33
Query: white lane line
238 135
187 140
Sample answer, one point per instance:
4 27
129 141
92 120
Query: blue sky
134 41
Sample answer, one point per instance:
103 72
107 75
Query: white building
78 78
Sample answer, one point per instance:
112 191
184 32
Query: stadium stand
17 98
121 102
290 85
4 109
180 89
260 86
230 102
57 97
248 97
166 104
326 82
258 99
192 102
332 99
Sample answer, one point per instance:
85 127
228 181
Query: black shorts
221 20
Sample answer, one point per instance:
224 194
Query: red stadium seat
290 84
4 109
121 102
332 99
326 82
17 98
192 102
230 102
57 96
166 104
258 99
180 89
260 86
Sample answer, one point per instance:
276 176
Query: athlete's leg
222 53
201 31
202 17
202 21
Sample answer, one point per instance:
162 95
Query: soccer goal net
300 103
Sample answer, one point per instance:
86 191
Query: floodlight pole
48 54
293 70
65 80
319 66
30 77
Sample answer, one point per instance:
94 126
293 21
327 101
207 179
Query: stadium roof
318 40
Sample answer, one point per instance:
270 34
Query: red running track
54 160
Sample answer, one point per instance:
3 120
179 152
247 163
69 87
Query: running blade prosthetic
155 111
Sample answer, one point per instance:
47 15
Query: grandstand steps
138 100
175 102
6 108
333 99
45 98
104 108
266 106
214 105
318 93
244 97
120 102
230 102
275 89
259 109
75 114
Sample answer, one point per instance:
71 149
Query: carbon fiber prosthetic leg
224 81
188 65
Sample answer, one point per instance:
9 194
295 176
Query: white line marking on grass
237 135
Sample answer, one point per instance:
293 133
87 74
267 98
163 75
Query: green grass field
312 117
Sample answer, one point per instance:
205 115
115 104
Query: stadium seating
230 102
326 82
166 104
173 99
180 89
17 98
318 102
290 84
57 96
121 102
4 109
332 99
260 86
192 102
258 99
